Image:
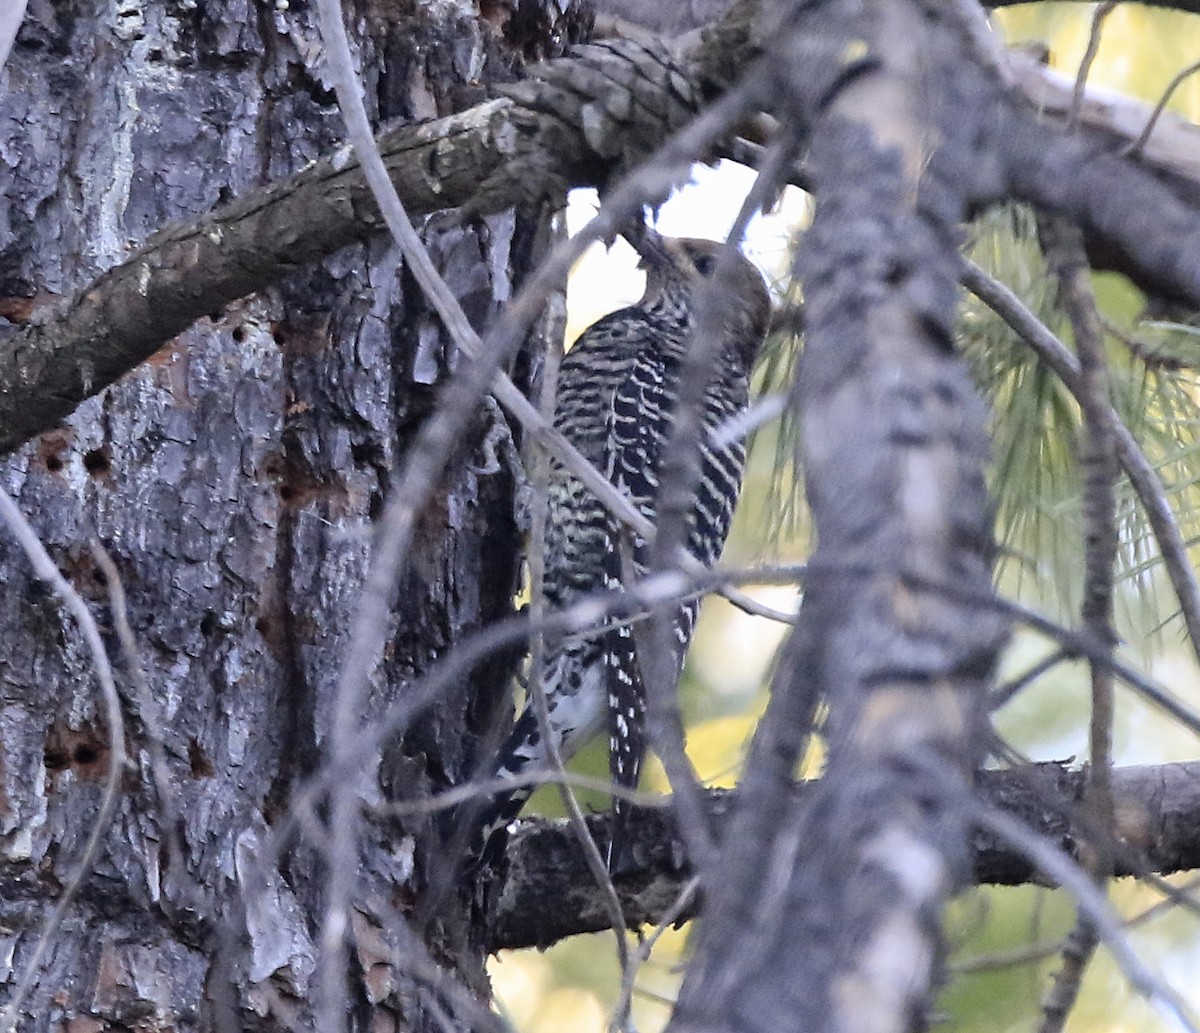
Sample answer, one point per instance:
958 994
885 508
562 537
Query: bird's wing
638 425
636 430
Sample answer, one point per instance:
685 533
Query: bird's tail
486 820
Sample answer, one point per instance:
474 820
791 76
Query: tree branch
588 117
547 895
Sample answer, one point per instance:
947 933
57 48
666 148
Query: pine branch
547 896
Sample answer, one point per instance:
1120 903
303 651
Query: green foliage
1036 428
988 931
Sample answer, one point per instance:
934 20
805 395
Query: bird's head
677 269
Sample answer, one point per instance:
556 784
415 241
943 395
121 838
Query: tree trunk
234 479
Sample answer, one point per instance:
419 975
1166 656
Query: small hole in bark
96 461
52 446
198 759
208 624
361 454
82 750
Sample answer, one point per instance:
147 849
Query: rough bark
233 477
880 93
579 128
547 894
580 124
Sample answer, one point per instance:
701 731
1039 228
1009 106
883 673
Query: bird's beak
652 247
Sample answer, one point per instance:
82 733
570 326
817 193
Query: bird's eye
704 264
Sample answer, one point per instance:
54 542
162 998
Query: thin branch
412 959
1135 148
1004 694
341 846
1023 955
1064 250
672 916
148 714
1148 354
588 616
478 788
1031 952
540 512
1102 11
1076 644
679 475
118 759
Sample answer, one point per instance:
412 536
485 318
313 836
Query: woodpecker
617 388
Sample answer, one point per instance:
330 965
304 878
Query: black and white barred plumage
616 391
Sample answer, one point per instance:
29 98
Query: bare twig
1003 694
683 901
1030 952
1135 148
341 846
387 935
537 689
1150 356
1064 248
588 616
1074 643
1101 12
118 759
484 787
148 714
1022 955
679 474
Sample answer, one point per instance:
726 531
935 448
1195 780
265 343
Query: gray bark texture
1157 829
864 867
216 364
233 477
